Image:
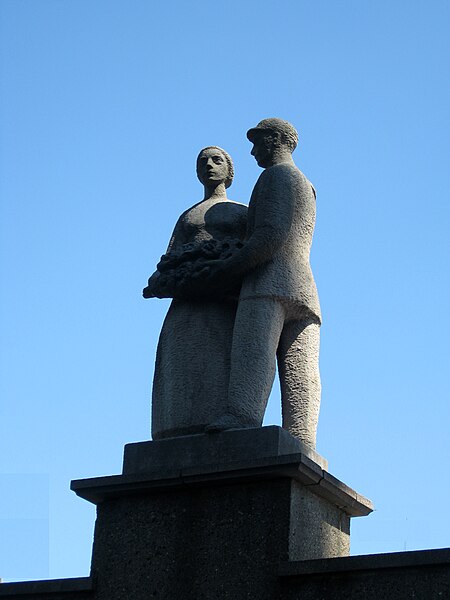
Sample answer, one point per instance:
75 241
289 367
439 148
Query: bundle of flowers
185 271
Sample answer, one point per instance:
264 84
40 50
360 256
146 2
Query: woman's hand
149 291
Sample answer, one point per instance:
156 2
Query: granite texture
203 543
242 456
216 363
278 315
318 527
217 527
225 447
193 357
268 524
207 536
80 588
418 575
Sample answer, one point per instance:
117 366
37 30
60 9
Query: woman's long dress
190 384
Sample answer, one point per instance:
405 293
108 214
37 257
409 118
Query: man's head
273 140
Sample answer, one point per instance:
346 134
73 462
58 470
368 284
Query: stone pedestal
213 516
238 515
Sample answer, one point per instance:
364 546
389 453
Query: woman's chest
210 220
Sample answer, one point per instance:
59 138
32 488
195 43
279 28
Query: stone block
212 516
79 588
416 575
215 448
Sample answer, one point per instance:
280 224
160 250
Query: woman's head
214 166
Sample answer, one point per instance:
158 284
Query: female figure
190 384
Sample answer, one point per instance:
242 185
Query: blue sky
103 108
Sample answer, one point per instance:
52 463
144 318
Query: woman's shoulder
234 211
222 210
237 206
190 213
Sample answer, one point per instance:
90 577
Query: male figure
278 314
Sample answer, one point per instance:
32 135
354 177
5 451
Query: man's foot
226 422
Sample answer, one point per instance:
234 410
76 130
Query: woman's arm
177 238
153 289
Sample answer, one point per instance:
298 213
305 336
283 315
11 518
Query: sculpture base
212 516
232 516
215 448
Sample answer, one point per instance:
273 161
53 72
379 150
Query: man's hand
219 274
209 269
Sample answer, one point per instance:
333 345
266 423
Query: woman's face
212 167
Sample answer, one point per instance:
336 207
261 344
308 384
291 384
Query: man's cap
287 130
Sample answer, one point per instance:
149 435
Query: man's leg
256 333
298 367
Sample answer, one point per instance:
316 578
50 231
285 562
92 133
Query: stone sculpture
278 315
190 384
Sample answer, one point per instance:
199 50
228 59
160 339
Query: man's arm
274 207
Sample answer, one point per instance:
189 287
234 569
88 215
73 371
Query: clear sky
104 106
